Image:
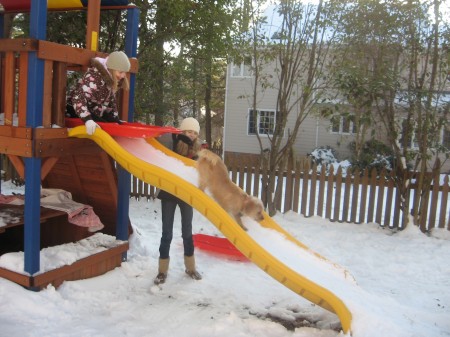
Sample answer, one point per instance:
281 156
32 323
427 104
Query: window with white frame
407 135
343 125
261 122
411 134
241 67
445 138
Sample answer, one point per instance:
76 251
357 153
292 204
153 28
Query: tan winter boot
189 262
162 271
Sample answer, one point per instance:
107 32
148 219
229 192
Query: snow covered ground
404 278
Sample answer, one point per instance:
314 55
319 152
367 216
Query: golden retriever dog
213 175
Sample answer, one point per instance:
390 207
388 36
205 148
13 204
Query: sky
395 284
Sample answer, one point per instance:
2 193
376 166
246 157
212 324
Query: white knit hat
118 60
191 124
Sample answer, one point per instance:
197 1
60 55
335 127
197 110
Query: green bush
374 154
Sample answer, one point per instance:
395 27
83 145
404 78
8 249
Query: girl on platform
93 98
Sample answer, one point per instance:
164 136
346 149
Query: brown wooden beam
18 164
59 93
88 267
22 279
23 86
93 24
65 147
19 147
61 53
73 56
47 94
9 88
49 133
47 165
18 45
16 132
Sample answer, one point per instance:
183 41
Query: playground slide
153 163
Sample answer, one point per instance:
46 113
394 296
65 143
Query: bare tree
408 70
299 50
427 72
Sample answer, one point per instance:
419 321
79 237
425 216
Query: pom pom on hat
190 123
118 60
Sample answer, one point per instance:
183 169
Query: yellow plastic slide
170 182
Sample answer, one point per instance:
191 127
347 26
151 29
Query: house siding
313 132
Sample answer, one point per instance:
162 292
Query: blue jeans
168 207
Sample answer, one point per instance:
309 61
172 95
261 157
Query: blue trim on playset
131 36
32 235
35 93
124 177
123 203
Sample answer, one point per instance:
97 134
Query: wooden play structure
34 136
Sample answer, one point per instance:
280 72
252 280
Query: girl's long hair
122 84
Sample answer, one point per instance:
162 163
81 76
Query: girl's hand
91 126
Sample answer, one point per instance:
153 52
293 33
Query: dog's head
253 208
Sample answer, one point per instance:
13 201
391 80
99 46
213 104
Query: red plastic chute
219 245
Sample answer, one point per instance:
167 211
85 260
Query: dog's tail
209 156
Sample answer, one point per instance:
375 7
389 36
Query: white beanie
190 124
118 60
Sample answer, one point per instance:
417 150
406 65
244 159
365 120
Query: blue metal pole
38 22
124 178
131 37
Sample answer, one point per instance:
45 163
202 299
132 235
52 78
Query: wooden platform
89 174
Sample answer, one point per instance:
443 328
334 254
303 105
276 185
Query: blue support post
32 244
35 92
124 178
131 38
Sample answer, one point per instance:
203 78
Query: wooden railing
58 59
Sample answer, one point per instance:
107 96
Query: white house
239 137
240 128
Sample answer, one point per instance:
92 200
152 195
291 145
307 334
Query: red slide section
126 129
221 246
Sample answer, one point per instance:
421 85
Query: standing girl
186 144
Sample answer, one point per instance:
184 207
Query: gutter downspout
225 113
